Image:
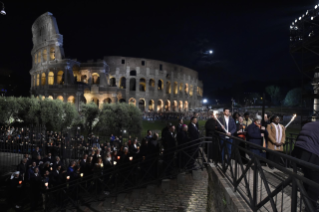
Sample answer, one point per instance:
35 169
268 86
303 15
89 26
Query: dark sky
250 39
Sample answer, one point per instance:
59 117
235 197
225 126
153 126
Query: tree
90 113
115 118
293 97
274 93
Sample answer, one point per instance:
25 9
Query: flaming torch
292 119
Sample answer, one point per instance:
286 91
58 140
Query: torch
292 119
219 122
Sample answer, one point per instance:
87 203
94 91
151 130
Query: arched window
44 55
152 83
60 78
132 101
141 104
181 87
35 58
186 88
151 105
52 53
160 85
50 97
175 105
51 78
133 73
168 87
180 106
175 88
191 90
159 105
107 101
95 78
60 98
43 79
96 101
71 99
76 73
186 106
123 83
39 57
142 84
167 105
132 84
38 79
112 82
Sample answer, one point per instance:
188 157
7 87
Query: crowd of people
266 134
54 159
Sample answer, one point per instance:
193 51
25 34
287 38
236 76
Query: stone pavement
186 193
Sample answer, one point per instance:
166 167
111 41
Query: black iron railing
264 189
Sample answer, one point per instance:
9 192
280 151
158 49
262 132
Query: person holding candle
276 139
241 133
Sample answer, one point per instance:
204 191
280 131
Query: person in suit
57 162
211 126
23 167
169 150
165 129
228 127
36 153
180 125
276 139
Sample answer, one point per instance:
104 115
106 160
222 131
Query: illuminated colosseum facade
151 85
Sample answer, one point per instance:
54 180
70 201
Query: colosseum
151 85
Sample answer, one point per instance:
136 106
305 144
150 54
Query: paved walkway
186 193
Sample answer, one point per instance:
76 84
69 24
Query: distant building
149 84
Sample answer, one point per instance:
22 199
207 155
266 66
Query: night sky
250 39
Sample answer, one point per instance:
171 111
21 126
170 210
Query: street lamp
210 51
204 101
2 10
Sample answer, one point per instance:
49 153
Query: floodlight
299 18
296 28
291 27
293 23
311 17
296 20
210 51
316 6
307 12
303 15
204 100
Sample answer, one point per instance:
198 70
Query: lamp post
2 12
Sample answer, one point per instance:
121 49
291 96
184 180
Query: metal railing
279 190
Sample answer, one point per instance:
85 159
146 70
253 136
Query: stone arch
122 83
45 55
168 87
175 87
50 97
39 56
52 53
167 105
112 81
160 84
95 78
142 104
186 88
107 101
180 106
181 87
60 98
132 101
191 90
142 85
43 79
186 106
35 58
151 83
175 107
133 73
151 105
96 101
160 105
60 78
71 99
76 73
38 79
51 78
132 84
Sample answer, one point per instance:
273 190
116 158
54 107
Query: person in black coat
56 176
15 189
57 162
36 153
211 126
180 125
165 129
193 133
23 167
169 150
182 139
36 185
